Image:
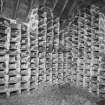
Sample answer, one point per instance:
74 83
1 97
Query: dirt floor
53 95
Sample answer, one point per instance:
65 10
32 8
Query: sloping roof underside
19 9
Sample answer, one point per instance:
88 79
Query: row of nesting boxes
29 57
88 50
46 53
12 52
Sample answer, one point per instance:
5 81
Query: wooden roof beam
59 7
16 8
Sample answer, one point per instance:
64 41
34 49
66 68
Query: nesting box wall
44 53
87 69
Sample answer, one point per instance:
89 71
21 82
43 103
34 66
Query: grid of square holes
44 53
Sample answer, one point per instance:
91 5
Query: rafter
29 7
64 7
59 7
67 9
16 8
45 2
42 2
35 4
55 4
1 6
72 7
50 3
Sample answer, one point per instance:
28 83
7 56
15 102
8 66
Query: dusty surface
58 95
